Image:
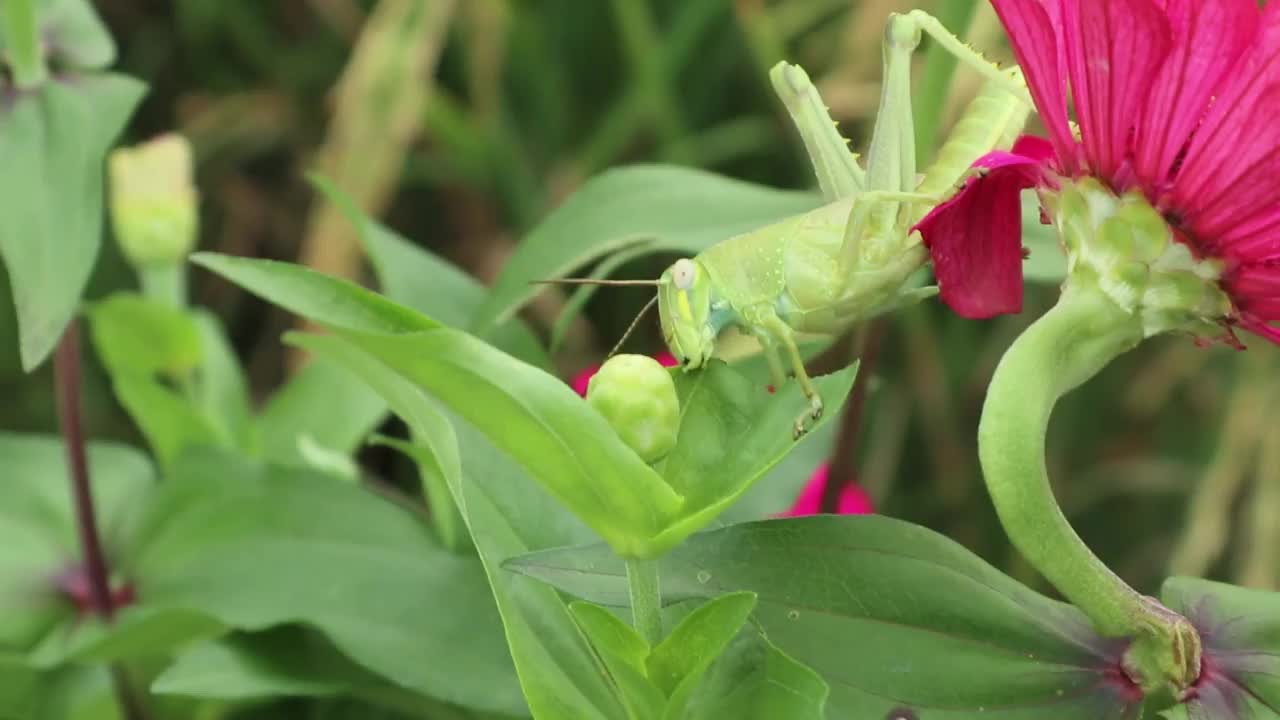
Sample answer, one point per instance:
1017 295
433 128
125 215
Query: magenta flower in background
1177 99
853 499
582 379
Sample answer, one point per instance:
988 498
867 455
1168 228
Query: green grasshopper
827 270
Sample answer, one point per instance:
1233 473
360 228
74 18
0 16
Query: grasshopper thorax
684 306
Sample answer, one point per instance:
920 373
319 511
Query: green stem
646 599
24 50
1061 350
164 283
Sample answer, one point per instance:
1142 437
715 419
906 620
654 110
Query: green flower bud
638 398
153 201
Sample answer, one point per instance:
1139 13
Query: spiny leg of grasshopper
887 187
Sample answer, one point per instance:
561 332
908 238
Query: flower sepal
1124 248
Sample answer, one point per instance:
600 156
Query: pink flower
580 381
853 499
1177 99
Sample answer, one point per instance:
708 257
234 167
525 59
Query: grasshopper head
684 305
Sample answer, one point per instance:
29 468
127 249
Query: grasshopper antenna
593 281
634 323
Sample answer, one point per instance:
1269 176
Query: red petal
583 379
853 499
809 501
1208 38
1036 41
1228 177
975 238
1114 48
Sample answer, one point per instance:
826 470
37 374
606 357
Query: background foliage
463 124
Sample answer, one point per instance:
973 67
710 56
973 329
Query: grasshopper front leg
782 335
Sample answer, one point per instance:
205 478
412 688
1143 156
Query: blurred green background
461 123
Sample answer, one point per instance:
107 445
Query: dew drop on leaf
793 614
704 577
901 713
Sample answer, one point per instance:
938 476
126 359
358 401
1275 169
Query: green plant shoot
827 270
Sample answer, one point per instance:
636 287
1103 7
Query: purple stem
66 372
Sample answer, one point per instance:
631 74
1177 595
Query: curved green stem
1061 350
646 599
22 43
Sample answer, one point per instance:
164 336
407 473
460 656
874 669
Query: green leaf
732 432
753 680
282 662
416 278
678 664
1046 262
138 631
38 538
508 514
255 547
287 661
321 404
319 297
19 683
446 517
1240 629
892 616
54 140
175 373
171 422
669 207
222 393
73 34
543 424
139 336
623 653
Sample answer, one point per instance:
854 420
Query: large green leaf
893 616
508 514
258 546
54 140
289 662
322 298
413 276
38 539
543 425
668 207
1240 629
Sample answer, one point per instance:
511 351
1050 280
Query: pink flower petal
1114 48
1033 31
583 379
1229 174
666 359
975 238
853 499
1208 38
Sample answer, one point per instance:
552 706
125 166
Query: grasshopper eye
682 273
